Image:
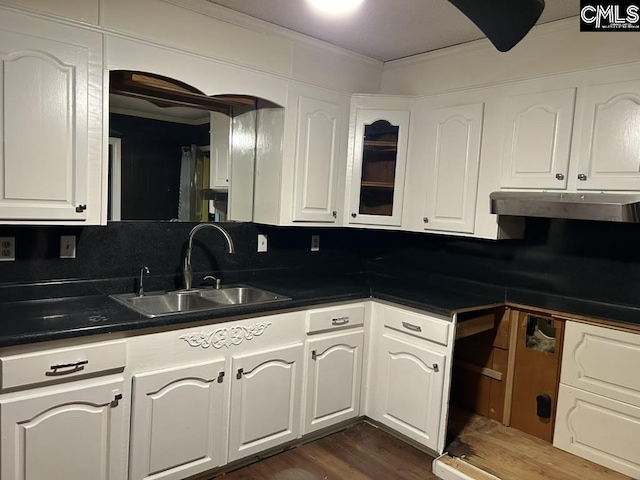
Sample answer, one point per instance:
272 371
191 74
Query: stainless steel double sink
155 304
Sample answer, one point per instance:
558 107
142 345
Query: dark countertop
88 311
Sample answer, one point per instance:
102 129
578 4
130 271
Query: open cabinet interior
506 372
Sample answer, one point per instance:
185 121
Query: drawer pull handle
340 321
411 326
61 368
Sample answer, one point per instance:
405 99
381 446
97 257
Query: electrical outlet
315 243
262 243
7 249
67 246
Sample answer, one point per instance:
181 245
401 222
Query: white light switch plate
67 246
7 249
262 243
315 243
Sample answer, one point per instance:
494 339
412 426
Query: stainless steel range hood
608 207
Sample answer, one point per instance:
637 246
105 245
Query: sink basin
156 304
239 296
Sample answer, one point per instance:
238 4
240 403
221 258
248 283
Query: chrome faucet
143 270
187 271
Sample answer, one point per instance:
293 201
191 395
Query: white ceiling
384 29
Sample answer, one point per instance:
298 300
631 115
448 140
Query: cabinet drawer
61 363
599 429
334 318
602 360
423 326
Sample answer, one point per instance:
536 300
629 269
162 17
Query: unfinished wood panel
501 339
511 365
498 387
480 363
536 373
508 453
475 326
471 391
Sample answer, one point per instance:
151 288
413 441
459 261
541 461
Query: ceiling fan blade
504 22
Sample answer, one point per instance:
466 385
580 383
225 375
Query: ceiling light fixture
335 7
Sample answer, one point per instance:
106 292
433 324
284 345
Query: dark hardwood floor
361 452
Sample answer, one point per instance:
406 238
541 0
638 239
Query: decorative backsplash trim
225 336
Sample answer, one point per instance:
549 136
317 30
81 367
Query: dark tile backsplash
591 260
119 250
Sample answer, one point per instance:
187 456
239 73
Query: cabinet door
380 157
75 433
43 128
318 146
265 400
609 146
599 429
453 160
219 150
408 390
597 359
537 139
333 379
177 427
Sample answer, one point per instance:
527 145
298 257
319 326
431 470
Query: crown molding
227 15
545 29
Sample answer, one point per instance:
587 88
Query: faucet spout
187 270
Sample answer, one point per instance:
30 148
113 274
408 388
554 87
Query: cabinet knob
425 219
353 215
560 176
314 355
582 177
240 373
334 214
435 367
81 208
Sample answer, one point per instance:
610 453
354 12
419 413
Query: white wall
203 28
548 49
86 11
208 30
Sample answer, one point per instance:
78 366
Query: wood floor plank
361 452
508 453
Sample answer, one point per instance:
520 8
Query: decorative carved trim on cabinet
225 336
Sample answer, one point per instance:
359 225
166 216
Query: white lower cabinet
334 368
598 414
409 389
265 400
177 422
599 429
409 373
72 432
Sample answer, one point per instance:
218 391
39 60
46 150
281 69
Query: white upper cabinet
609 141
51 102
452 152
302 178
378 168
316 168
537 139
219 150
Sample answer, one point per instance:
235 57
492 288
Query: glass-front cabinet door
380 154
